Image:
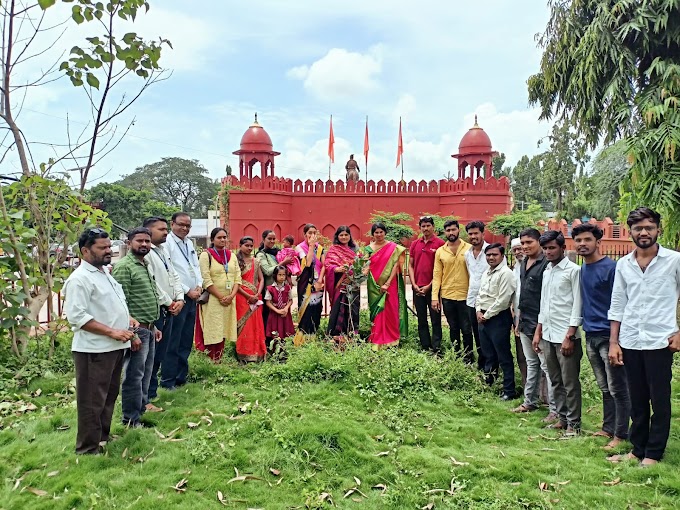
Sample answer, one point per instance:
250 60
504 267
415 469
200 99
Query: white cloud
341 73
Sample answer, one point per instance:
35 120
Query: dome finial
256 118
476 125
255 123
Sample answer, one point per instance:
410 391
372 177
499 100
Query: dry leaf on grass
124 454
381 487
457 463
52 473
243 478
357 481
220 498
192 425
515 484
382 454
615 481
352 491
325 497
37 492
275 472
543 486
181 486
429 506
63 427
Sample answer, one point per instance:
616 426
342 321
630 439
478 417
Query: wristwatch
572 338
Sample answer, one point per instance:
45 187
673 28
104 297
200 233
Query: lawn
357 430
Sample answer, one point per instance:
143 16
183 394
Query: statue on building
352 168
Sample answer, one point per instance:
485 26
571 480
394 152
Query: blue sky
433 63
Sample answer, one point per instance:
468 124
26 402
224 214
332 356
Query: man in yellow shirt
450 287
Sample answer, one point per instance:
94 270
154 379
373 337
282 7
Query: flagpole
331 148
366 153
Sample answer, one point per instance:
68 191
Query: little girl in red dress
279 300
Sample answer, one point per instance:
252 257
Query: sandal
523 408
602 433
556 426
611 445
615 459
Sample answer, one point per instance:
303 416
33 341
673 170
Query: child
288 251
279 300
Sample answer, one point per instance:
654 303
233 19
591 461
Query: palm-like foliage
613 69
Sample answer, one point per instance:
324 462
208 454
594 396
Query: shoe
131 425
507 398
551 418
523 408
572 431
150 408
169 388
556 426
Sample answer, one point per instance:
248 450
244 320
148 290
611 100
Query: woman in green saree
386 291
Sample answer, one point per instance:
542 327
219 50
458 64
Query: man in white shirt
476 263
495 319
96 308
170 296
557 332
644 333
180 248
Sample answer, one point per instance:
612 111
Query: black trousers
472 314
164 325
423 305
459 321
97 387
495 337
649 381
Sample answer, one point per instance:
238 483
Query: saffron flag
366 143
400 145
331 142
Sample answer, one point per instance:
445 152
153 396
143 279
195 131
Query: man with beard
557 332
133 274
644 333
450 284
95 307
476 263
170 296
597 281
421 267
182 253
528 306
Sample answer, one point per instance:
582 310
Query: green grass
392 418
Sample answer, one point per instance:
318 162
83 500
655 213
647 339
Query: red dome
256 138
475 140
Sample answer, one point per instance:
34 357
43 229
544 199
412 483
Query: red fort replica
266 201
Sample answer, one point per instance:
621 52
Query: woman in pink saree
344 317
386 291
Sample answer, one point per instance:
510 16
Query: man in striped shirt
142 299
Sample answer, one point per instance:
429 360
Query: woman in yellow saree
386 290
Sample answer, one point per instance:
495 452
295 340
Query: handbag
205 295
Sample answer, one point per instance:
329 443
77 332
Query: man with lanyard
141 295
421 267
175 369
170 296
476 263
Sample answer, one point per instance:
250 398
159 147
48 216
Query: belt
150 326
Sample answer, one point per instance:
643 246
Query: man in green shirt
142 299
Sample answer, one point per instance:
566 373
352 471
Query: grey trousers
536 365
564 374
137 369
613 385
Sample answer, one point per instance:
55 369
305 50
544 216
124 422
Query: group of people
627 310
140 321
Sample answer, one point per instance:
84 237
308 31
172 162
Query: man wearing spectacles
644 334
96 309
420 270
182 254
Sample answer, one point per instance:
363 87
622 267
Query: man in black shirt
531 279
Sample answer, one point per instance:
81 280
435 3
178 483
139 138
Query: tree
498 169
560 164
50 211
396 230
510 225
610 168
527 186
180 183
125 207
613 69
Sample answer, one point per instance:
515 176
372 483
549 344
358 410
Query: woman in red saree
344 316
386 291
250 345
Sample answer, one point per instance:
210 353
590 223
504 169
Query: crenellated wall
285 206
616 238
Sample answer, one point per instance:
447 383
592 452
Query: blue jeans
136 376
613 385
175 369
164 324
